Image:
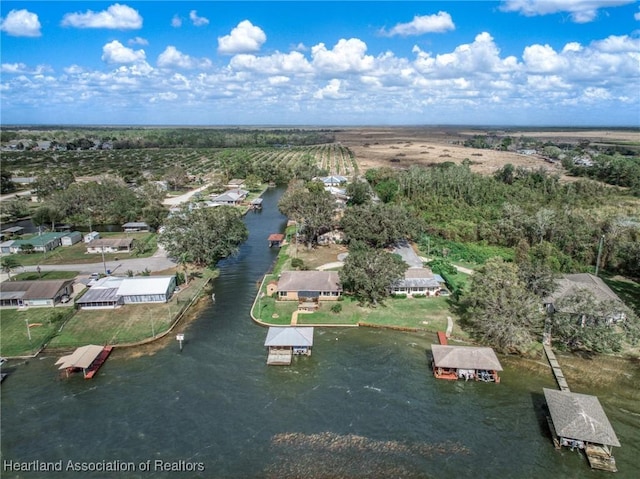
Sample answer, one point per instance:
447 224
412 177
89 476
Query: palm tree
8 264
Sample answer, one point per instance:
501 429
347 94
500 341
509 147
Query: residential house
40 293
572 284
41 243
333 180
418 281
307 287
231 197
110 245
113 291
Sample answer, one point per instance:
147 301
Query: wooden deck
98 362
442 338
600 458
555 367
279 357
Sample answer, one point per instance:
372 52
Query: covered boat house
465 362
87 359
275 239
578 421
285 342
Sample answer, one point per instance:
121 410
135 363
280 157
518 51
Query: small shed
13 231
578 421
275 239
465 362
71 238
89 237
256 204
135 227
285 342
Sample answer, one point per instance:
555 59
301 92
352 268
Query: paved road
157 262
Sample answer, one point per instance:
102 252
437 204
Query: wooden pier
555 367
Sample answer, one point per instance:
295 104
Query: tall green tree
369 273
380 225
8 264
581 322
203 236
500 309
6 184
313 210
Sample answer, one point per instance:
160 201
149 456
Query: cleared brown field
400 147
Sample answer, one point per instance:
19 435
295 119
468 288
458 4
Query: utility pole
599 253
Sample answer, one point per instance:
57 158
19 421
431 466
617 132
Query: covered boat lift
86 358
578 421
285 342
465 362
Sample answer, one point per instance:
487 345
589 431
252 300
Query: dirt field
401 147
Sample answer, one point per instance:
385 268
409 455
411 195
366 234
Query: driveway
176 200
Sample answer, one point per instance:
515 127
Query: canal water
364 405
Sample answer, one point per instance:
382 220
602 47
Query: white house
231 197
113 291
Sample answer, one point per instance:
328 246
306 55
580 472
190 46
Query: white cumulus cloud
581 11
116 52
119 17
21 23
346 56
196 20
330 91
421 24
171 57
176 21
277 63
244 38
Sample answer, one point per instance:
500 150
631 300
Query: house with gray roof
41 293
306 286
578 421
231 197
580 283
110 245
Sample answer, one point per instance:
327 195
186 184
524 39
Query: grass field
33 276
43 324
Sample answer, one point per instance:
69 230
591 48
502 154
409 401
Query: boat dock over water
87 359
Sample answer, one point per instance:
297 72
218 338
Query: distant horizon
324 126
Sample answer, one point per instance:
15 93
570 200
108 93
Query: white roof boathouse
285 342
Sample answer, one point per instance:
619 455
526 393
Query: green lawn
78 252
627 290
424 313
43 322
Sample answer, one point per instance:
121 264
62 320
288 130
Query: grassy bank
23 333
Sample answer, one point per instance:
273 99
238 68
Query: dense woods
559 224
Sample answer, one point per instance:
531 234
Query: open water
364 405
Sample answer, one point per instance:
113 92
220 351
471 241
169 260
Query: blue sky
511 62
